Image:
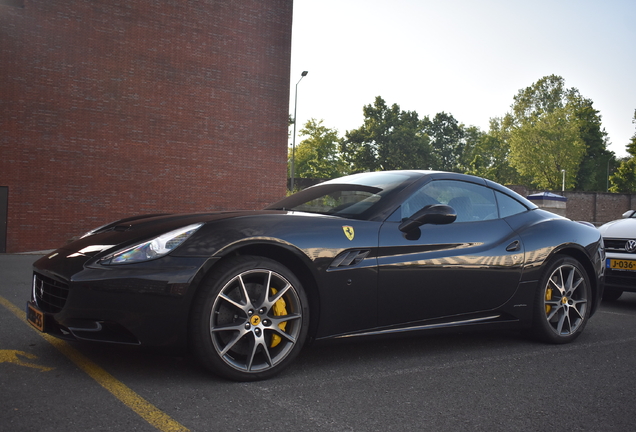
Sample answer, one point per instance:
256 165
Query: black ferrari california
364 255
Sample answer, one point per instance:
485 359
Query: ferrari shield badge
348 230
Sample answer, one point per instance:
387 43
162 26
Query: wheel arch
289 257
587 264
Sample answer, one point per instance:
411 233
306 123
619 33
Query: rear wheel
250 320
562 304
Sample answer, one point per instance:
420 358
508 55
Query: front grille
616 245
50 295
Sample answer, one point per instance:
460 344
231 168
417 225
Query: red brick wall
115 108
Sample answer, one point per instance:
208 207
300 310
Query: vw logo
630 246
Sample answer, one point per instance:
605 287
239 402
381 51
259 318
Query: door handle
514 246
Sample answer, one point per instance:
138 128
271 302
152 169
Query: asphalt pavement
496 381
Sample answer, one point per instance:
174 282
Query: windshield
350 196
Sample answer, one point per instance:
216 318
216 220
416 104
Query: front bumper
620 280
139 304
624 277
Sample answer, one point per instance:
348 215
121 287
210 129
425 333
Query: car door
473 264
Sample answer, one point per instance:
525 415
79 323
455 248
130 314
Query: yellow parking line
142 407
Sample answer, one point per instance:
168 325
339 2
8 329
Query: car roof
410 182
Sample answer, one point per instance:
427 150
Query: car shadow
124 362
406 351
141 364
626 302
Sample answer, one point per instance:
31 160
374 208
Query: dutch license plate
621 264
35 317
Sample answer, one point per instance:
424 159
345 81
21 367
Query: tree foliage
447 141
389 139
550 129
592 174
545 138
624 179
489 157
317 156
472 138
542 149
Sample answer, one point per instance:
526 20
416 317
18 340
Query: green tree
447 140
490 155
592 174
542 149
624 179
545 134
388 139
317 156
472 137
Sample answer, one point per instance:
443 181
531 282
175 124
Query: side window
471 202
509 206
417 201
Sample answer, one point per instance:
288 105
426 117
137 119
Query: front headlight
151 249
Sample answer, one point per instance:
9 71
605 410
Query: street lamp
302 75
563 187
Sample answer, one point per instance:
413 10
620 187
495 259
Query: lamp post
563 187
302 75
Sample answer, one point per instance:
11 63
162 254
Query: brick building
115 108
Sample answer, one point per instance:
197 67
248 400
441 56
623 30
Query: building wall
594 207
598 207
115 108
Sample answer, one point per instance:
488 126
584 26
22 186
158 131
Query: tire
562 305
611 294
250 319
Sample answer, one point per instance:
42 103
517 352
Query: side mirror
437 214
629 214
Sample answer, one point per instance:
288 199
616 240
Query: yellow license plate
35 317
621 264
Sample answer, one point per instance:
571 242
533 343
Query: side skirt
481 321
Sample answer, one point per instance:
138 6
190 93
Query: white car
620 246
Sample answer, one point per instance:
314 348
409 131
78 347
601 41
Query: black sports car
367 254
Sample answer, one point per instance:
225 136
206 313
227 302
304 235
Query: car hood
622 228
129 231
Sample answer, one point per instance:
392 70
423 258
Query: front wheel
562 305
249 320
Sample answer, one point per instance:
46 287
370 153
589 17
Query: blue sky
467 58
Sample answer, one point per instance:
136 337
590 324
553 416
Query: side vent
349 258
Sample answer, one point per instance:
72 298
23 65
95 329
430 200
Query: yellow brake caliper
280 309
548 297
